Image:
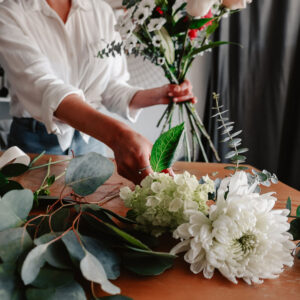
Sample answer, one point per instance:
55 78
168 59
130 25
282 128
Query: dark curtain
259 84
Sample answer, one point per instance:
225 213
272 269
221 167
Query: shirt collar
39 4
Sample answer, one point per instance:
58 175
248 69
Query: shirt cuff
51 100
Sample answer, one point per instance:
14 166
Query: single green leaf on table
13 242
86 173
164 149
289 205
71 290
14 208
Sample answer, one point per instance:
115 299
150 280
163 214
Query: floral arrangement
171 34
44 240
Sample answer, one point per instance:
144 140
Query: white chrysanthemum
242 237
156 24
141 14
156 41
161 200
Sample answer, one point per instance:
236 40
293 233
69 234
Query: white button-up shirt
46 60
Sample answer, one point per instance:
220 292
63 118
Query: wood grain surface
179 283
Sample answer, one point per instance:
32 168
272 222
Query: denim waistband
30 124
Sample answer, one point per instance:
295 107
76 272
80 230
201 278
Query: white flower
141 14
131 43
161 60
236 4
156 41
156 24
150 4
242 237
199 8
161 200
125 26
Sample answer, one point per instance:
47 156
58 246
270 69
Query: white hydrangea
156 24
242 236
161 201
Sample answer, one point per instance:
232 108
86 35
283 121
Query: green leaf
69 291
50 277
212 28
166 45
164 149
107 256
51 180
74 248
197 23
243 150
298 211
14 241
118 217
146 265
92 270
230 154
242 168
34 261
14 208
238 158
86 173
3 179
13 170
116 297
9 186
289 205
295 229
128 238
231 168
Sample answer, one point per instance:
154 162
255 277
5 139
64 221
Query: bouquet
171 34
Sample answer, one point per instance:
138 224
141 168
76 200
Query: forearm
81 116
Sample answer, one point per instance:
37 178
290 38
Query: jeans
31 136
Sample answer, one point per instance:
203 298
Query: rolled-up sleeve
119 93
32 78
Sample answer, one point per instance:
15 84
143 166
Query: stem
201 127
182 53
185 140
161 118
36 159
53 163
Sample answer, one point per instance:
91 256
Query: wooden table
179 283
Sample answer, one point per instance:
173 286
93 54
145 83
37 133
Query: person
58 85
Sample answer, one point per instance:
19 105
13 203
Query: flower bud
236 4
199 8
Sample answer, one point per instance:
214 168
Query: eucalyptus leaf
118 217
13 170
34 261
14 241
74 248
164 149
93 270
107 256
14 208
230 154
231 168
50 278
298 212
69 291
3 180
86 173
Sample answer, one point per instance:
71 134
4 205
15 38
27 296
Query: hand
132 153
163 95
177 93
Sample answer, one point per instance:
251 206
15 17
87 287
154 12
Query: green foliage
86 173
164 149
14 208
9 185
116 297
14 241
295 223
13 170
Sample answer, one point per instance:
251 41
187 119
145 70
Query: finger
189 97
